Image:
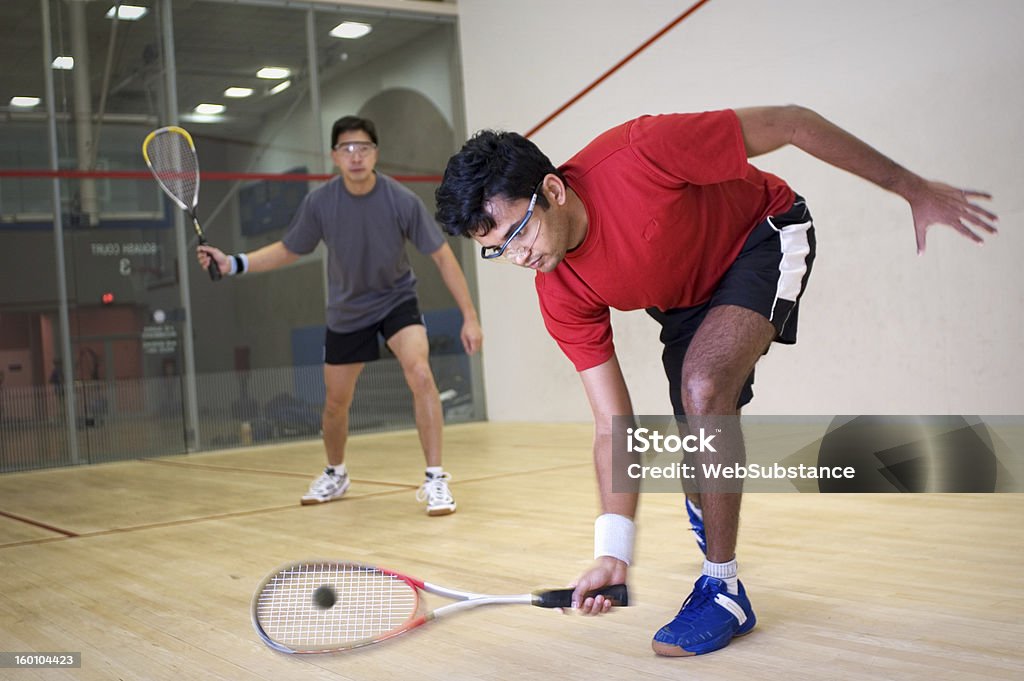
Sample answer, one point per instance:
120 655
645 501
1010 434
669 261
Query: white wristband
239 264
614 536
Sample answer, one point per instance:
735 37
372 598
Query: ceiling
217 44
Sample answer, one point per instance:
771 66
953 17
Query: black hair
350 123
491 164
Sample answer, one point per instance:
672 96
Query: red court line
265 471
36 523
289 474
150 526
622 62
249 512
188 521
209 176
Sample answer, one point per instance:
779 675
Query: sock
434 471
340 469
693 509
725 572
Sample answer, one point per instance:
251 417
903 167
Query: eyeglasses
491 252
355 148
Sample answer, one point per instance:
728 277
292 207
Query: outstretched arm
771 127
267 258
455 280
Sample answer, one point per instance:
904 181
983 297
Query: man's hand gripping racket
588 586
324 606
171 157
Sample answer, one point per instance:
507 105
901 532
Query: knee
336 405
420 378
707 392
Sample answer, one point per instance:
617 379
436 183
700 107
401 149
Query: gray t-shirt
368 272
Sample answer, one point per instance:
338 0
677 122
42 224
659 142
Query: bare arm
608 396
768 128
267 258
455 280
271 257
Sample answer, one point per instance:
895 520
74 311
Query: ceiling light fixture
25 102
201 118
209 109
127 12
351 30
273 72
280 87
238 92
64 63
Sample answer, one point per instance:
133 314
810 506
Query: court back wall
934 84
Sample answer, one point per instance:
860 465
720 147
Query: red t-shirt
670 201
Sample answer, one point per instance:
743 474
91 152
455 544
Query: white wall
934 84
423 65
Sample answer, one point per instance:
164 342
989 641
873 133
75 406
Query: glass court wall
113 343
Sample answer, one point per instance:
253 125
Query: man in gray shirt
364 218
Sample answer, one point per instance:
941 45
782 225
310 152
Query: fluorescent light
280 87
273 72
64 63
25 102
201 118
351 30
209 109
238 92
128 12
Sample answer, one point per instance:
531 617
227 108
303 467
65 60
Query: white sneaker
328 487
435 492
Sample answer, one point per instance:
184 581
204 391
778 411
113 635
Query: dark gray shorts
363 345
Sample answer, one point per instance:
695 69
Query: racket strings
175 166
369 603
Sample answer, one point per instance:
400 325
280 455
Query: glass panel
258 339
119 249
126 329
119 240
269 326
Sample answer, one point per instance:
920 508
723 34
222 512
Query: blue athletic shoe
697 525
709 619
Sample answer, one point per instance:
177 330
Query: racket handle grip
213 268
562 598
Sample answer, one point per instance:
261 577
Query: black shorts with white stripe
768 277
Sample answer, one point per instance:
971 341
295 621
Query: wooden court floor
147 568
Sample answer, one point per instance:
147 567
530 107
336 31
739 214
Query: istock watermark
828 454
643 440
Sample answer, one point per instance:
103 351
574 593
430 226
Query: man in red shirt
665 213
